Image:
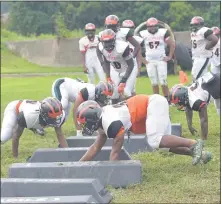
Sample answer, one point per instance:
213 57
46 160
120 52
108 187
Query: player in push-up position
139 114
73 91
196 97
21 114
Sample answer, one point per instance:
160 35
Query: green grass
167 178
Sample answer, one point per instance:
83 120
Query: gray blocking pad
23 187
134 144
52 199
176 129
73 154
114 173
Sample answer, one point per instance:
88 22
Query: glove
79 133
121 87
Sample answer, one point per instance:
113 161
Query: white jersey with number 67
154 44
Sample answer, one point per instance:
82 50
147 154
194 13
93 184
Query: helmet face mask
178 97
109 45
196 23
115 28
108 39
88 116
90 34
152 29
103 93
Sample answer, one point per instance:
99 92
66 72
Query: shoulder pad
121 46
143 33
124 30
138 39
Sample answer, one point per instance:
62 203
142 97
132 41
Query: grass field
167 178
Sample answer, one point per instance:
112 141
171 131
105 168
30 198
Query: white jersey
121 34
28 111
115 57
113 114
87 46
154 44
199 43
138 39
197 95
31 110
73 87
216 54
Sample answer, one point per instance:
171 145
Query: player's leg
217 105
152 74
9 123
162 75
135 67
90 75
99 70
130 83
200 67
115 77
159 133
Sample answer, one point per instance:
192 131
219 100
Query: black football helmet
103 93
178 96
108 39
112 22
51 112
196 23
88 116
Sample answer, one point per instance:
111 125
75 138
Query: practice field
166 177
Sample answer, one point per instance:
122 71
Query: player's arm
203 122
15 140
95 147
129 60
104 63
213 39
170 43
82 96
61 138
136 45
116 131
189 117
139 61
83 55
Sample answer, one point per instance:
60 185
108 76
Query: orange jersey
137 106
